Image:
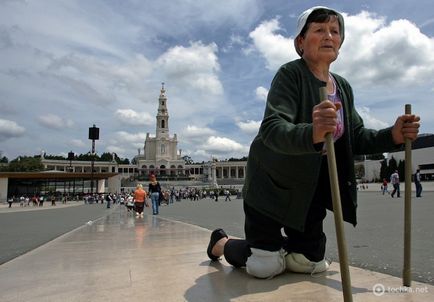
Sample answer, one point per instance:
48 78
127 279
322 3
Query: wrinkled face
321 42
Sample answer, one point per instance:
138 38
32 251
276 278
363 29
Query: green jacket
283 168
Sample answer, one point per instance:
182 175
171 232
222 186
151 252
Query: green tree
392 167
25 164
106 156
124 161
59 157
376 156
4 160
244 158
384 170
187 159
88 157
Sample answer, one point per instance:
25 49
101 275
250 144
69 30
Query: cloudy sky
68 64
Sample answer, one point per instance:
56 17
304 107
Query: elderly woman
139 200
287 182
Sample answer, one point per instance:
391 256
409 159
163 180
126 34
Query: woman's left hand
406 126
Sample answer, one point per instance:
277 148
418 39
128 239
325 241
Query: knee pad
265 264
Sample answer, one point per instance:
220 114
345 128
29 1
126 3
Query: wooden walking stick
406 272
337 210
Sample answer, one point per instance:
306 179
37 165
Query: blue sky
66 65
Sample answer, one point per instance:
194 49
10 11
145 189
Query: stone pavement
124 258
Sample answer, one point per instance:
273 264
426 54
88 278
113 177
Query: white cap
301 22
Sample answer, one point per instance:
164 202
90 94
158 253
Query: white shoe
298 263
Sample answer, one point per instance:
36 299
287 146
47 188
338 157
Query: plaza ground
122 258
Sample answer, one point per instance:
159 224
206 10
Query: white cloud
249 127
126 137
124 143
78 143
131 117
116 149
10 129
197 132
374 51
234 41
370 121
54 121
216 144
261 93
194 66
275 48
387 54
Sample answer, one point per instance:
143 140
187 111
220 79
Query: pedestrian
11 201
228 195
417 183
394 180
287 181
384 186
155 191
139 200
130 203
109 200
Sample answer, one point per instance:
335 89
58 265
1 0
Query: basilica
160 153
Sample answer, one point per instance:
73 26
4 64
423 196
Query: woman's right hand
324 120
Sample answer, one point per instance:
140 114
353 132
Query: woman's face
321 42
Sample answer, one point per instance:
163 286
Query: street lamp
70 158
93 135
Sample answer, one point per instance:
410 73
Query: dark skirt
139 207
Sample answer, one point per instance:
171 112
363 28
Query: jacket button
349 183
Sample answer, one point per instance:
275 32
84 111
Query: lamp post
93 135
71 156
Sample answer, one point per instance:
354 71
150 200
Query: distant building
160 153
160 156
422 158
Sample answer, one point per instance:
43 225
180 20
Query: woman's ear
299 44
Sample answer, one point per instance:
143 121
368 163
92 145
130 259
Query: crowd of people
38 200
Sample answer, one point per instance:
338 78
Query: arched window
162 124
162 170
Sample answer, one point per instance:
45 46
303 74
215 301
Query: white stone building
160 153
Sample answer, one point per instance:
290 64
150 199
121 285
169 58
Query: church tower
160 153
162 115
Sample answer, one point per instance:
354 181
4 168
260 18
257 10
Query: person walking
384 186
154 190
287 183
228 195
417 183
394 180
139 200
10 201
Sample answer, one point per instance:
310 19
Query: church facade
160 152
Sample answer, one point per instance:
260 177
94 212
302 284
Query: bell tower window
162 124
